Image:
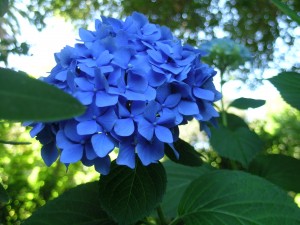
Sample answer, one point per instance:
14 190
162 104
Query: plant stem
14 142
161 215
223 112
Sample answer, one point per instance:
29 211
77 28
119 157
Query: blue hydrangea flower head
223 52
138 83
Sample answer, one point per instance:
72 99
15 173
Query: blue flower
138 83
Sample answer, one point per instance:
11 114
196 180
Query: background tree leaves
4 198
78 206
232 197
23 98
131 194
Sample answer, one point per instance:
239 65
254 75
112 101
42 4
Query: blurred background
32 31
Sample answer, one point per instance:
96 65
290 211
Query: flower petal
71 132
188 108
137 83
121 57
36 129
172 100
204 94
87 127
163 134
102 144
62 141
150 152
72 153
151 111
89 152
124 127
104 99
85 98
126 154
49 153
145 129
84 84
102 165
108 119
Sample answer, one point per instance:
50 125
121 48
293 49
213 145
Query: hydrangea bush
138 83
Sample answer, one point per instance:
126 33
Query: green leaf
279 169
4 198
3 7
131 194
23 98
187 154
284 8
78 206
288 84
234 121
179 178
234 197
245 103
240 144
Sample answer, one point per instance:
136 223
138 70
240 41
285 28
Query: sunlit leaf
288 84
187 154
245 103
131 194
78 206
23 98
234 197
279 169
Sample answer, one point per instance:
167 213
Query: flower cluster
138 83
224 52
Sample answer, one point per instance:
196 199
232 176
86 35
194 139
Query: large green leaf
284 8
288 84
187 154
234 121
233 197
131 194
179 178
245 103
4 198
279 169
23 98
78 206
240 144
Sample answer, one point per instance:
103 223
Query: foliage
27 181
227 193
48 105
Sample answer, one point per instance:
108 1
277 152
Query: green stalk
223 112
161 215
14 142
